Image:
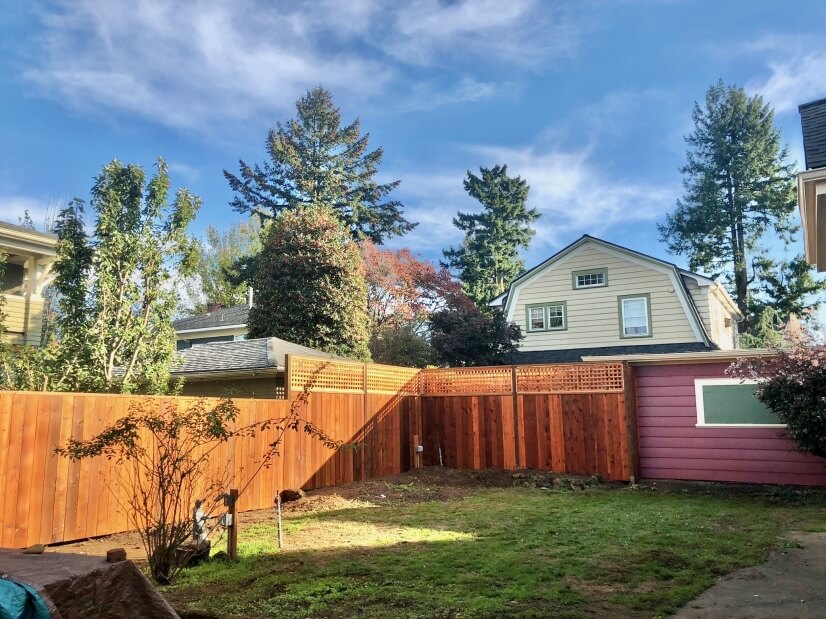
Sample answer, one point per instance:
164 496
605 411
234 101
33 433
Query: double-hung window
635 316
547 316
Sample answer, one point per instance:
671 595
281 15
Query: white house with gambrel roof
597 298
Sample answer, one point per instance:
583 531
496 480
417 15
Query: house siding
24 319
672 447
593 319
267 387
713 314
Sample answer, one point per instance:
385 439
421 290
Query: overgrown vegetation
505 553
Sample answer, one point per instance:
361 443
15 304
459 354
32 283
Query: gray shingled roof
813 120
224 317
243 355
574 355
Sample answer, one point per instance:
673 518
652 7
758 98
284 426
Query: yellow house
29 258
597 298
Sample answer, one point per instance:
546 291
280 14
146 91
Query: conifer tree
488 258
314 160
739 188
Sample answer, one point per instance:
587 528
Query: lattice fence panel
326 375
392 379
578 378
467 381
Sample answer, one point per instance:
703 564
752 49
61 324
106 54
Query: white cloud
797 79
468 89
572 193
193 64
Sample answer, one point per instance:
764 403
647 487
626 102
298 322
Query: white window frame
564 324
579 286
544 309
645 302
699 383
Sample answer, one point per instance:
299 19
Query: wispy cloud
793 80
570 190
191 64
42 210
428 96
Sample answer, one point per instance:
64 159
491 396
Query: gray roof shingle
813 121
224 317
243 355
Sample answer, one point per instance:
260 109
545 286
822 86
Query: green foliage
116 289
488 258
786 286
767 332
218 278
314 160
793 385
738 188
309 285
464 334
401 344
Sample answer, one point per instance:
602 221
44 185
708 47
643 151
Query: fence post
287 376
515 395
630 393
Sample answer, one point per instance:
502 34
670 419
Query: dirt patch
426 484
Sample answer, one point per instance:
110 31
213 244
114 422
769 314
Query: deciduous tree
314 160
218 277
488 258
309 285
116 288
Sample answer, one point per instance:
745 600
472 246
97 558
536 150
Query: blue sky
587 100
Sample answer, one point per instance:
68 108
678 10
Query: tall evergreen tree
738 187
309 285
488 258
314 160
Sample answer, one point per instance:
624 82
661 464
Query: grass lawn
497 552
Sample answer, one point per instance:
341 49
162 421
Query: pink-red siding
672 447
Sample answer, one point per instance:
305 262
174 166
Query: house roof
575 355
813 121
260 355
22 239
234 316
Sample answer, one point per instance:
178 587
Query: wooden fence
564 418
575 419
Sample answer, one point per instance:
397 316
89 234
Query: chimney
212 306
249 296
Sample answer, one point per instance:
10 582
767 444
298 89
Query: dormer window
593 278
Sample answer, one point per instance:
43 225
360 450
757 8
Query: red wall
671 447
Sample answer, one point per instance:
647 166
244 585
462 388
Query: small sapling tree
166 460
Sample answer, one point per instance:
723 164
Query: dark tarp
76 586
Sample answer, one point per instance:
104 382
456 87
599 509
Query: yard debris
544 480
37 549
114 555
288 495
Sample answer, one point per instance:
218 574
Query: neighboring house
811 184
218 324
29 258
243 368
597 298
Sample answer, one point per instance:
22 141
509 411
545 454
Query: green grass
499 553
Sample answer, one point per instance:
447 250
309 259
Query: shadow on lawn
516 554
